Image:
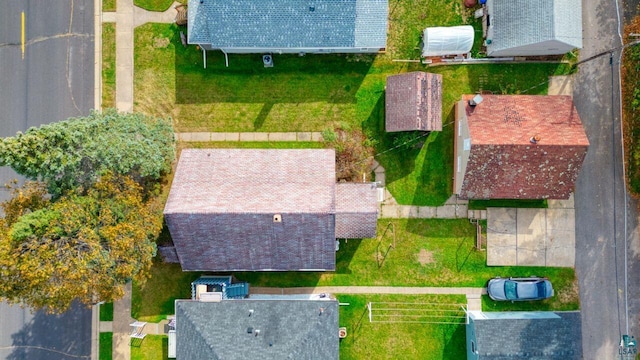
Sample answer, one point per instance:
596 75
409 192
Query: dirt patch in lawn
425 257
161 42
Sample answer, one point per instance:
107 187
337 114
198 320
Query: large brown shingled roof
503 163
413 101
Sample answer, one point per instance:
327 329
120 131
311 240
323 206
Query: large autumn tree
73 153
86 245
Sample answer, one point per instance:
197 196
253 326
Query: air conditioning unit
267 60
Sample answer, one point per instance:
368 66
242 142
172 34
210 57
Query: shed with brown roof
246 209
517 147
413 101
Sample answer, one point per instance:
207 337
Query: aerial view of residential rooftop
327 179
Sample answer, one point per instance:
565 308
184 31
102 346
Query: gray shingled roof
530 339
289 329
413 101
356 210
288 23
519 23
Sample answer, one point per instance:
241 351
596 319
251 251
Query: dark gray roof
413 101
288 23
356 210
530 338
289 329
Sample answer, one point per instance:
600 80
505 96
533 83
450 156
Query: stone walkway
248 136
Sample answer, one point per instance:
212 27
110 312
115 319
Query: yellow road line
23 34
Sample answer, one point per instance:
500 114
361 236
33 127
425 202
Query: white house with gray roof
288 26
533 28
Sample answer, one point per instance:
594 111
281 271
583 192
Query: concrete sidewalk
127 17
121 326
403 290
473 295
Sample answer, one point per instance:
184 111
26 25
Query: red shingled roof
502 161
413 101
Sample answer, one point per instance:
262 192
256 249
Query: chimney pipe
534 139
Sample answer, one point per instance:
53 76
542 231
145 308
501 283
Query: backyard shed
413 102
443 41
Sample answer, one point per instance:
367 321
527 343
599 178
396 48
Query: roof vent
250 312
257 332
534 139
277 218
312 8
476 100
249 330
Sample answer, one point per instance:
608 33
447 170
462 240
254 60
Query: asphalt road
26 335
51 81
606 218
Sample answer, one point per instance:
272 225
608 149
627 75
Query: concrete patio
532 237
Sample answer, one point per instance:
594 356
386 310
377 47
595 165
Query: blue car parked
519 289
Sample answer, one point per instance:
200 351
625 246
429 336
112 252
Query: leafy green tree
82 246
77 151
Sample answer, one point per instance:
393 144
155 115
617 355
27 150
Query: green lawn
106 346
154 5
155 300
428 252
106 312
367 340
108 65
153 347
108 5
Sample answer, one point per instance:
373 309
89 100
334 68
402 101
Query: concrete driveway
531 237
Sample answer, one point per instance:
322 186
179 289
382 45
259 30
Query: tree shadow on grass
397 163
454 339
462 254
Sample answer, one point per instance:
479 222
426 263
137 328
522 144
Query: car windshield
510 291
542 289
